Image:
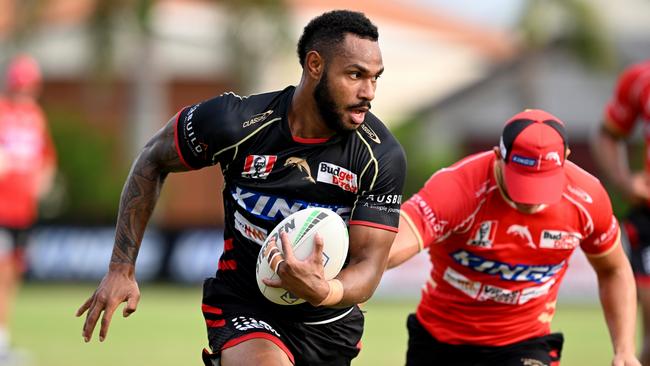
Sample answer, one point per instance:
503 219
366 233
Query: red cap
22 73
533 146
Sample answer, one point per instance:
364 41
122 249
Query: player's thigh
255 351
238 331
330 342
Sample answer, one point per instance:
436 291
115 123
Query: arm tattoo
141 191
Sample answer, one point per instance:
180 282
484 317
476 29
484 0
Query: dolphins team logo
522 232
302 166
555 157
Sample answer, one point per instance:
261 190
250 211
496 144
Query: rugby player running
500 227
630 105
315 144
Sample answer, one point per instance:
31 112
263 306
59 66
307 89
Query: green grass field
168 329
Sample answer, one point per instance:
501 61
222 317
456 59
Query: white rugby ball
301 227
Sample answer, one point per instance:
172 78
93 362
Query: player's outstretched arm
139 196
618 298
609 149
405 246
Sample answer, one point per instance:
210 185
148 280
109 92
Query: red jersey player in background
27 165
629 104
500 227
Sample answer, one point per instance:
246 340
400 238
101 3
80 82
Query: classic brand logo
484 233
257 118
338 176
373 136
302 166
258 166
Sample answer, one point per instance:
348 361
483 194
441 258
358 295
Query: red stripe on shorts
256 335
229 264
215 323
227 245
210 309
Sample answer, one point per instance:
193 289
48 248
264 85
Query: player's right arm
610 150
430 215
193 139
157 159
609 145
406 244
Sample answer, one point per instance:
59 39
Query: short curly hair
328 30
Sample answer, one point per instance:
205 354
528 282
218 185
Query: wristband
335 293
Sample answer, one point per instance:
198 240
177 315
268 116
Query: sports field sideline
168 329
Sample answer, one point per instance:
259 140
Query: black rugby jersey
269 174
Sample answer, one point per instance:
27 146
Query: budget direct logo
338 176
555 239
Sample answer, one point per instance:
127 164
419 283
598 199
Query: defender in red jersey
500 227
628 107
27 165
313 145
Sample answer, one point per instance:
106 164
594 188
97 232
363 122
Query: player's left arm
368 256
369 248
618 298
616 285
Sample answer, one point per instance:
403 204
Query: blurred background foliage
89 169
91 192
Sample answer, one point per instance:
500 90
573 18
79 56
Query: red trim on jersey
229 264
303 140
210 309
215 323
373 224
642 280
227 245
632 234
178 149
256 335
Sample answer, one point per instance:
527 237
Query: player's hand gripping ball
301 227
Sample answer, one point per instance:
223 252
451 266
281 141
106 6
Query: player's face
522 207
348 83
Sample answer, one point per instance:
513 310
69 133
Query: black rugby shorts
424 350
636 229
232 319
